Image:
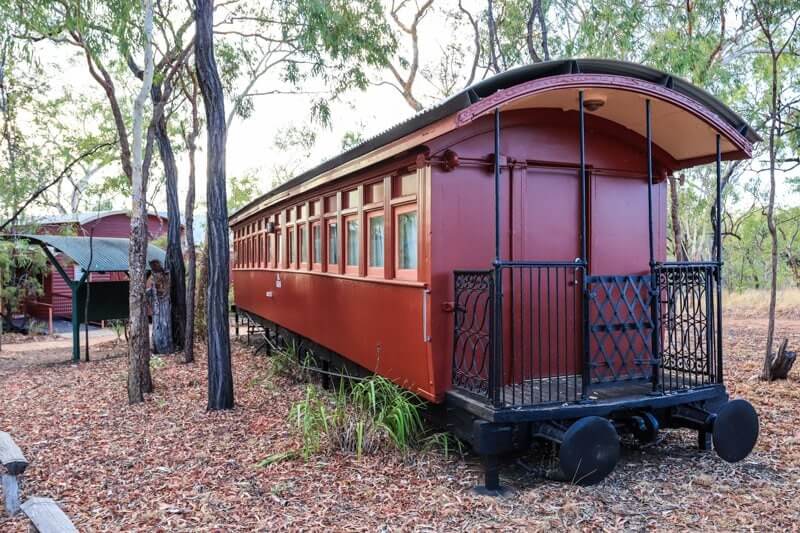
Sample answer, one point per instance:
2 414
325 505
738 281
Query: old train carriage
503 255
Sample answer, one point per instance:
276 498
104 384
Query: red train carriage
503 255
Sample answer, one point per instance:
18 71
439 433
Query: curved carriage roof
510 78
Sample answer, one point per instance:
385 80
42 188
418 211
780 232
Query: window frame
374 271
317 265
291 247
302 231
333 267
406 274
353 270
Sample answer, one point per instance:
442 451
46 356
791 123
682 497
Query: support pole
496 368
76 327
583 259
582 149
649 182
655 309
718 239
497 185
75 286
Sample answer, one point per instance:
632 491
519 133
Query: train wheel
735 430
589 451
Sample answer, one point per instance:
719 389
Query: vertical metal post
76 327
718 238
496 185
496 368
649 181
582 149
585 372
655 309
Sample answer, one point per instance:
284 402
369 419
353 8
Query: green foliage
374 412
242 190
22 267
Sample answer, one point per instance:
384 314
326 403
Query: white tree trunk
139 380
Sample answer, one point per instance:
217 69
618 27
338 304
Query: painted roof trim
486 88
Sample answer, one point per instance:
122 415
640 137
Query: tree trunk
174 262
220 376
200 324
158 295
677 229
139 380
773 231
778 367
188 345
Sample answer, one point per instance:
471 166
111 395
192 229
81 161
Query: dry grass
754 303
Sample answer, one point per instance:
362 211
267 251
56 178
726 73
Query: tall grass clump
360 419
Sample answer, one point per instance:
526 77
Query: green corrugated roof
107 254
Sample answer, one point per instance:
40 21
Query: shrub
373 413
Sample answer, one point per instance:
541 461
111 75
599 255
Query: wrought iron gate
620 328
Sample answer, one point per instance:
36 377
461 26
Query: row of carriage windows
312 228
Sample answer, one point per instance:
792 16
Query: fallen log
781 363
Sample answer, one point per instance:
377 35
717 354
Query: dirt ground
168 465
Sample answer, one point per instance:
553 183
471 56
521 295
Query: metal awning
107 254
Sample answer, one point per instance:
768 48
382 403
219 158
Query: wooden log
46 516
11 494
11 456
782 363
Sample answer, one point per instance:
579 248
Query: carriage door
620 328
544 301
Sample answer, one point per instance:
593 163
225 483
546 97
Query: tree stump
781 363
158 295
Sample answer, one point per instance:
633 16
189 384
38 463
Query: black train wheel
590 451
735 430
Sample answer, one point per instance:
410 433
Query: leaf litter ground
168 465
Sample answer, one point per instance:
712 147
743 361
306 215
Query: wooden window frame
291 247
405 274
352 270
303 229
317 265
333 267
374 271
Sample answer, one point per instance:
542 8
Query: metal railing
536 333
691 334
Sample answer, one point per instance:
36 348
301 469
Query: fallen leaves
168 465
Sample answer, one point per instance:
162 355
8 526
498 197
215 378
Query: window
350 199
351 245
376 241
333 243
270 253
304 244
316 243
292 248
406 242
279 250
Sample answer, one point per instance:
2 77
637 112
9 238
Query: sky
251 146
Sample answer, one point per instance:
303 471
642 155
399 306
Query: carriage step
47 517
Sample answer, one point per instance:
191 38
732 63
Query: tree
778 22
220 375
139 378
190 138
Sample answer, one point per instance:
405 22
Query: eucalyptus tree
220 376
778 67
